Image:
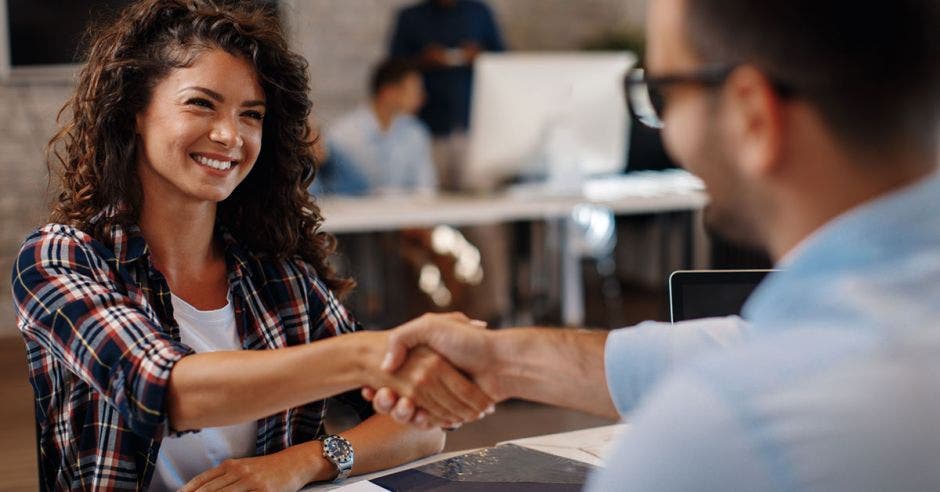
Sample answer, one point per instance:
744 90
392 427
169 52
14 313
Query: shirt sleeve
686 437
66 304
636 359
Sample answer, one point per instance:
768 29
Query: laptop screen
697 294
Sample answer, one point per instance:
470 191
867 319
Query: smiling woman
182 283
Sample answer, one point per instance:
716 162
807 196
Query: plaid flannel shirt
101 341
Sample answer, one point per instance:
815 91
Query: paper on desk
589 445
364 486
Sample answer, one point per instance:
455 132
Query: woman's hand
283 471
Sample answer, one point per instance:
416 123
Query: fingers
422 420
403 411
384 401
214 479
472 397
202 479
447 395
397 353
438 403
368 393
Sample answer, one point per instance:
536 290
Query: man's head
397 84
809 95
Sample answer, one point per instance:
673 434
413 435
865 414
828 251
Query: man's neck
802 210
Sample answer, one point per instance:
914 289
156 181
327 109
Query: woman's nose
225 132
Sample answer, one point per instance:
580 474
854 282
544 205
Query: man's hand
282 471
465 343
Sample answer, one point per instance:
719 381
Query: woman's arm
378 443
224 388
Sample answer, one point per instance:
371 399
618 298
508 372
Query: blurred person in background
444 38
382 140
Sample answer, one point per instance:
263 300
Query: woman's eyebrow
220 98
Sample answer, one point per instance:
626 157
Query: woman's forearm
379 443
224 388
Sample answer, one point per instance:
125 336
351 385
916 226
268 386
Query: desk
643 193
588 446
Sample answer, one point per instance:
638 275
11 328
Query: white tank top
182 458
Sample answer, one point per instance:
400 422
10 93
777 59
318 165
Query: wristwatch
338 450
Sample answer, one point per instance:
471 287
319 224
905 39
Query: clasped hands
438 371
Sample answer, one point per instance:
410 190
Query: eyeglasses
645 94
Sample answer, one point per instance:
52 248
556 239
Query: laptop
697 294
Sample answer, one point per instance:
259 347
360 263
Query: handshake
439 370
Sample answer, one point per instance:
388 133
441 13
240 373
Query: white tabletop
587 445
624 195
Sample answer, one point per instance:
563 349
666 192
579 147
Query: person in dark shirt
444 38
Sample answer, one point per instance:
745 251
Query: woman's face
201 133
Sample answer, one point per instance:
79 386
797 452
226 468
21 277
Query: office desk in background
632 194
589 446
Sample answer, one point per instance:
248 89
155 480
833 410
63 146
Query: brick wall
340 38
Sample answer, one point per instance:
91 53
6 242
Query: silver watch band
339 451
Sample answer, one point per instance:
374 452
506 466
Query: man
815 128
382 140
444 38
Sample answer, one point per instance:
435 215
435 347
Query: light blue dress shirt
832 383
397 160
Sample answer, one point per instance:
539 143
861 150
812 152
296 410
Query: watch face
338 449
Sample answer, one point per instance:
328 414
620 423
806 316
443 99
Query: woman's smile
216 162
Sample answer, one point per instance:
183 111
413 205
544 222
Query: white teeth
214 164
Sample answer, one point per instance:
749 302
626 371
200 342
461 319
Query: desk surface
648 193
587 445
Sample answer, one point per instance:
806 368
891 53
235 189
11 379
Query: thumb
394 356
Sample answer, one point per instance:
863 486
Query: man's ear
754 121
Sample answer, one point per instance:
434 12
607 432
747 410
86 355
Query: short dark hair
871 68
390 71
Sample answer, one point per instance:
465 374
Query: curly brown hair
270 212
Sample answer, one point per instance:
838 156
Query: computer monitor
560 116
695 294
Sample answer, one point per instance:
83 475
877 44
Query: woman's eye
255 115
198 101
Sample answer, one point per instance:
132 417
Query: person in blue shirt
444 38
818 142
381 140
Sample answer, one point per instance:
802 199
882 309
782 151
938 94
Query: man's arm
556 366
593 371
560 367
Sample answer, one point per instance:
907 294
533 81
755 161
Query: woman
183 234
